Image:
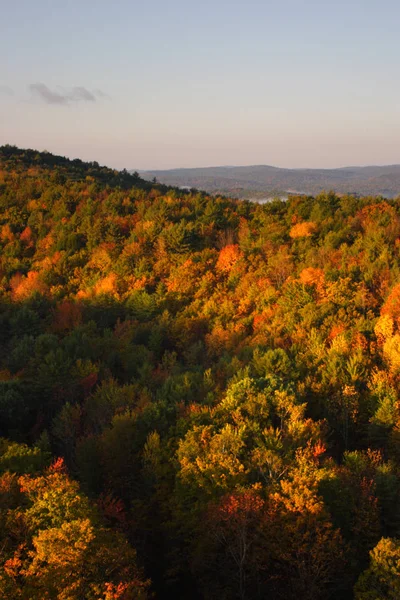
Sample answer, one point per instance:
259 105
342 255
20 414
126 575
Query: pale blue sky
162 84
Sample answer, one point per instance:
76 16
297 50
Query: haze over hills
263 181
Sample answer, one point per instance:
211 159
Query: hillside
261 181
199 396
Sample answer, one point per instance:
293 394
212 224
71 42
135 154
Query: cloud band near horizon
62 97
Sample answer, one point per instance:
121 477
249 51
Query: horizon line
219 166
254 165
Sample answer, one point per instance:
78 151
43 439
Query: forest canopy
199 396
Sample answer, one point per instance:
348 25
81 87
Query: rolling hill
263 181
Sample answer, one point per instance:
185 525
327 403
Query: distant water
268 199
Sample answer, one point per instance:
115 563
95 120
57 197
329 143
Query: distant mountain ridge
261 181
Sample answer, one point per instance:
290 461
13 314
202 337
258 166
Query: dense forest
199 397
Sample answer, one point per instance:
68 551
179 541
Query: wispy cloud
62 96
7 91
81 93
44 93
102 95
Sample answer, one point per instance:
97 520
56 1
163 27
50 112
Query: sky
160 84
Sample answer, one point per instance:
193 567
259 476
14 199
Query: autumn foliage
199 397
302 229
